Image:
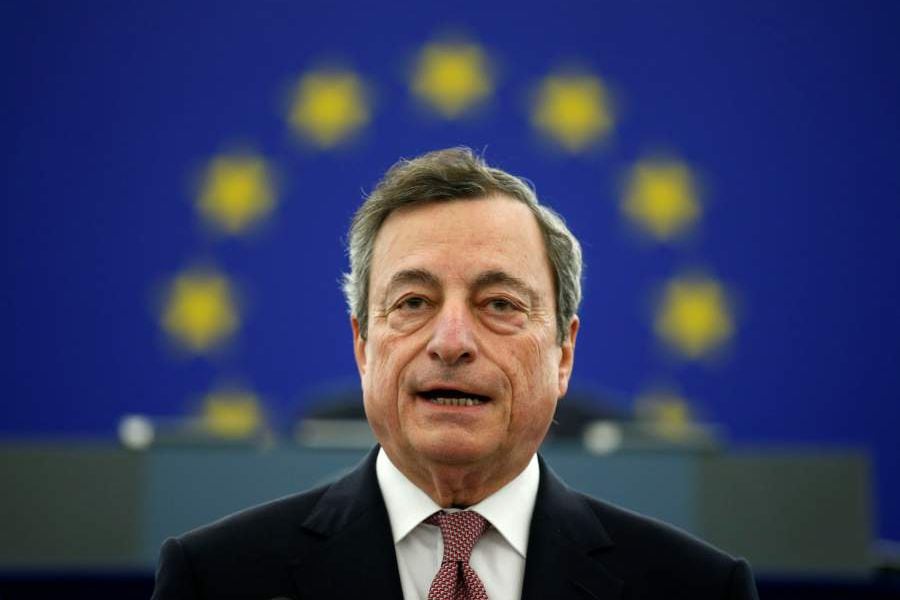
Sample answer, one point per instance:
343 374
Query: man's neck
457 486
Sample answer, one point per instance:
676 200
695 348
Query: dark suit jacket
335 542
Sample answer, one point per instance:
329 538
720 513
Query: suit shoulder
660 560
272 525
633 532
241 555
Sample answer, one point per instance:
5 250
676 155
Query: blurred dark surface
772 508
140 587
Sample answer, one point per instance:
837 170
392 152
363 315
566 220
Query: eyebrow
489 278
407 276
484 280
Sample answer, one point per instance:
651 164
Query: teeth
456 401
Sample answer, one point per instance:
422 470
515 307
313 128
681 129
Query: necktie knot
456 580
460 531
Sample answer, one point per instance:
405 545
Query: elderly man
463 292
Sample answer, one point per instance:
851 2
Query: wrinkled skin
462 298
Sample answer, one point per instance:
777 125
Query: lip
458 402
453 397
448 409
452 391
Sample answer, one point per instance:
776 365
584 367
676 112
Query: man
463 292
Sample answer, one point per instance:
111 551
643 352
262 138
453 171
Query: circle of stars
328 107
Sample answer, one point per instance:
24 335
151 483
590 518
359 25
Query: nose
453 337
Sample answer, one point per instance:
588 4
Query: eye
408 312
412 303
501 305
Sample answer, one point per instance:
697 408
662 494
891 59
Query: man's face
461 365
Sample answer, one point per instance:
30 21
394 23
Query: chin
452 451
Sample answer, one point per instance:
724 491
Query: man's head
451 174
463 292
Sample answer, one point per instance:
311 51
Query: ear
567 356
359 347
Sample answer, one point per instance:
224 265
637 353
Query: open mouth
451 397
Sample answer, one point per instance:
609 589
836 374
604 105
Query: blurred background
178 179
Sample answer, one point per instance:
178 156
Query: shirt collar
508 509
406 504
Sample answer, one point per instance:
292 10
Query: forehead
462 239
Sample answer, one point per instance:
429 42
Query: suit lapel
564 545
351 553
351 550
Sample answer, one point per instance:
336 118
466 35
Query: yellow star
237 192
452 77
573 109
694 317
661 198
200 311
232 413
666 411
328 107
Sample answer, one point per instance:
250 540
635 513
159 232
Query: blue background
789 110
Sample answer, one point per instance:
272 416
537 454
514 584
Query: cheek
540 360
380 390
386 359
535 379
380 383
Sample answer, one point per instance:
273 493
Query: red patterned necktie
456 580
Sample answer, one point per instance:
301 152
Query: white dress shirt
499 555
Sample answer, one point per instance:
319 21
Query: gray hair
453 174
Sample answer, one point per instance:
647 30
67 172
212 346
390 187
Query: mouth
453 397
